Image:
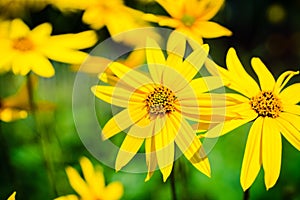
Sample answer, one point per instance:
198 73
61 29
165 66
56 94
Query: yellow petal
123 120
113 191
128 149
291 94
117 95
266 79
191 146
133 78
90 175
155 60
68 197
290 132
80 40
42 66
193 63
210 9
291 118
176 48
18 29
77 182
226 127
94 17
252 156
245 81
290 108
283 80
205 84
151 159
12 196
22 65
65 55
41 32
209 29
174 8
271 151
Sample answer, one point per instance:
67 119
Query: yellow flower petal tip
12 196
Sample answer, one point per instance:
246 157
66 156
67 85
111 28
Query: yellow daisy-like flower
24 50
274 111
12 196
191 18
93 187
114 14
158 106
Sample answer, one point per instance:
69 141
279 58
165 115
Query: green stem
173 185
43 136
247 194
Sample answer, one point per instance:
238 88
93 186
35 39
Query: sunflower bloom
273 110
158 105
93 187
191 17
24 50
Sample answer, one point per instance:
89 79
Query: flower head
273 110
93 187
24 50
159 105
191 18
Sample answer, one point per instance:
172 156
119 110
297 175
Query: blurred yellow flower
157 108
12 197
93 187
13 8
191 18
274 111
113 14
24 50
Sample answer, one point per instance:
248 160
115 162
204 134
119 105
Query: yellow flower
274 111
113 14
191 18
93 187
11 8
12 197
158 107
24 50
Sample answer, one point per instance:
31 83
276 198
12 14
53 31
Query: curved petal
42 66
18 29
155 60
123 120
41 32
151 159
208 29
266 79
128 149
117 95
191 146
271 151
291 94
12 196
290 132
210 8
174 8
22 65
77 182
283 80
252 156
113 190
245 81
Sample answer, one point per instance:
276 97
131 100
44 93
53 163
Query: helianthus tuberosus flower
93 187
273 110
158 105
24 50
191 17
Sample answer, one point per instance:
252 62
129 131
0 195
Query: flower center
23 44
160 101
188 20
266 104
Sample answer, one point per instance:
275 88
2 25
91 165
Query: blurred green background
267 29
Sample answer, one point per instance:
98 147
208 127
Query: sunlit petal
266 79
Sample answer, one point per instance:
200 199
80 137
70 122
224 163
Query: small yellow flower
157 106
12 197
24 50
273 110
93 187
191 18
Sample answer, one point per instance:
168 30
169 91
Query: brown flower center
160 101
23 44
266 104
